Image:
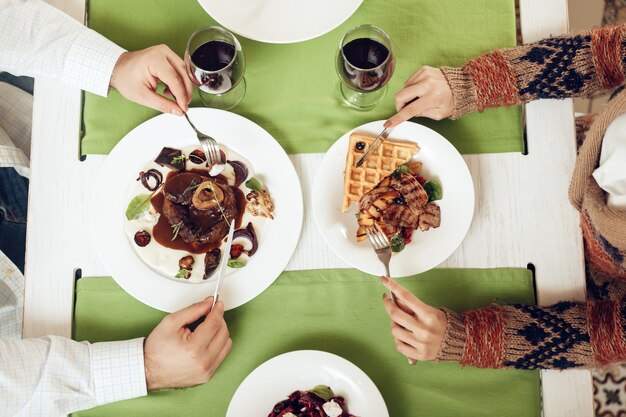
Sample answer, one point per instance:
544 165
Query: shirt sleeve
579 65
55 376
40 41
564 335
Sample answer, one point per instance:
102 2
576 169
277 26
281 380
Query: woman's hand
426 94
417 328
136 76
176 357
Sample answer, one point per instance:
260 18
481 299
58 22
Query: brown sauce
163 232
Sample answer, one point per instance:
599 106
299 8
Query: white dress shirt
52 376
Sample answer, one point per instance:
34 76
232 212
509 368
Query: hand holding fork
382 247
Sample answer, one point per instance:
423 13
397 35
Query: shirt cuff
118 370
90 62
453 344
463 91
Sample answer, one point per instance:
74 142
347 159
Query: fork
209 145
381 246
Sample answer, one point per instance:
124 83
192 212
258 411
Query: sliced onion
152 173
241 172
211 262
248 233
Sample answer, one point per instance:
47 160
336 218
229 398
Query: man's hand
417 328
426 94
136 76
176 357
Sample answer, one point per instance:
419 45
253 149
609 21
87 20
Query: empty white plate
280 21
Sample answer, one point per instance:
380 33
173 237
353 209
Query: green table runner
292 90
338 311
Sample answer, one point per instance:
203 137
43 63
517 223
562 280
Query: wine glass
365 64
215 63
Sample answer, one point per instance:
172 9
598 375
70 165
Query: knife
223 262
375 145
225 257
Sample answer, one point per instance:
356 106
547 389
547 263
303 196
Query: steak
413 192
180 188
197 225
402 216
368 198
431 217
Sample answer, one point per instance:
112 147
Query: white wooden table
522 211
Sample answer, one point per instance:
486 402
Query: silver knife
375 145
225 257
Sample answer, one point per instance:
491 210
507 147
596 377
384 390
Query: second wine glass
365 64
216 64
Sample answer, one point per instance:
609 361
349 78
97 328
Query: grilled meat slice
387 228
372 195
431 217
401 216
412 191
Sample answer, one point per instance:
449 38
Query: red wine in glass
213 57
366 64
215 63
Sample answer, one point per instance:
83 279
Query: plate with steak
307 383
416 188
162 215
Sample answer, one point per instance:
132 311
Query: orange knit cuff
484 329
606 44
463 91
494 78
453 343
606 331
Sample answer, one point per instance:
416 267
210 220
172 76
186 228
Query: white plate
277 240
428 249
280 21
301 370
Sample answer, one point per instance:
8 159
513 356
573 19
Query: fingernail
387 124
385 280
177 112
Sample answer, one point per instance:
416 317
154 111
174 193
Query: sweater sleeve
561 336
567 66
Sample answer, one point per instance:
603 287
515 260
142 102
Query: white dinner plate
302 370
113 191
441 161
280 21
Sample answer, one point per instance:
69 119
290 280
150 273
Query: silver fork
209 145
382 247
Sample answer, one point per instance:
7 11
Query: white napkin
611 174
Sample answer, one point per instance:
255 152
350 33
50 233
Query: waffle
379 164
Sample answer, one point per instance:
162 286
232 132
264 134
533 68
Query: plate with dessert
280 21
162 214
307 383
415 188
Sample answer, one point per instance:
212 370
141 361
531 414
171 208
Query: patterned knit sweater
568 334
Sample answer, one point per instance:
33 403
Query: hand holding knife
388 128
375 145
220 275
